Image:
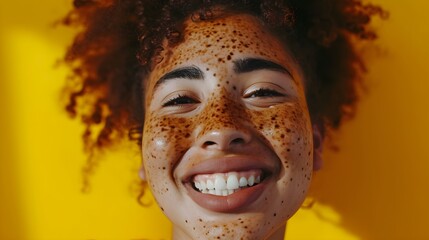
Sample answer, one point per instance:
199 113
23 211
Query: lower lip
231 203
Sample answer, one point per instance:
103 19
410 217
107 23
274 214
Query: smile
229 184
224 184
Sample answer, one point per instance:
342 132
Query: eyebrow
240 66
191 72
252 64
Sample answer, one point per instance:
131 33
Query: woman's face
227 143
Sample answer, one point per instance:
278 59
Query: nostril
209 143
223 140
237 141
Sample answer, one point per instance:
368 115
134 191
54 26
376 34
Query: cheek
287 129
165 140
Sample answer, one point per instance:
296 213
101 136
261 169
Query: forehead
235 33
214 43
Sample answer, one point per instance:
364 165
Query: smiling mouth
229 184
225 184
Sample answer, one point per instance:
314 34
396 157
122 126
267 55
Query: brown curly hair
119 40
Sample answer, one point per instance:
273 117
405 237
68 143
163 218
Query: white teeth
210 185
243 182
218 192
232 182
220 183
251 180
224 184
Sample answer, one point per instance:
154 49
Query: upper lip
229 164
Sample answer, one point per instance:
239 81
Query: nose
224 139
223 124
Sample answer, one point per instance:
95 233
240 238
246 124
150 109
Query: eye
179 100
263 92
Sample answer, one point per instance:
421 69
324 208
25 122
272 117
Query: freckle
234 87
291 179
288 149
229 57
227 82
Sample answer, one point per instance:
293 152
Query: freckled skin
281 133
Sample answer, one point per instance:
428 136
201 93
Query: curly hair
119 41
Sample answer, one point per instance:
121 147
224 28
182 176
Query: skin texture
222 122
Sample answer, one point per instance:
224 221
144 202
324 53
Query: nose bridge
222 122
224 113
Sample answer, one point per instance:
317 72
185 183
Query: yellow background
375 187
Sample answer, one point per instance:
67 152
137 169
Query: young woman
229 100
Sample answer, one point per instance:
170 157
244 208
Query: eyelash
179 100
264 92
